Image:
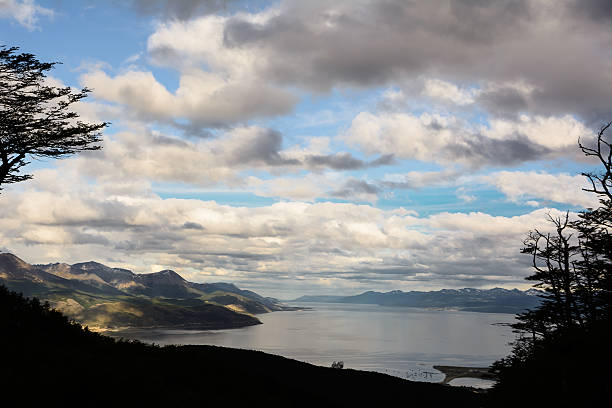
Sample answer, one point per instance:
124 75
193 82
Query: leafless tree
601 183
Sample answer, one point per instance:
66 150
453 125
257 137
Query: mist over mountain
105 297
496 300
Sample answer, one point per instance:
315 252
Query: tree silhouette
562 355
595 229
36 119
48 360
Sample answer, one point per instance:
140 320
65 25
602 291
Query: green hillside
103 298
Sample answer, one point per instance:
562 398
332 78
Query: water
472 382
405 342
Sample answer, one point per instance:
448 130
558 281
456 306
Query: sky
319 147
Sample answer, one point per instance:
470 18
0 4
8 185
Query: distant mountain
104 297
495 300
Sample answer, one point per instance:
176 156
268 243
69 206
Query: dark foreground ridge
49 359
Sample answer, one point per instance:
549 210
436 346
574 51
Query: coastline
188 326
454 372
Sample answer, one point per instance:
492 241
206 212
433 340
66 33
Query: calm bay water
405 342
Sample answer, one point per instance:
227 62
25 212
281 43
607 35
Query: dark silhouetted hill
570 369
49 360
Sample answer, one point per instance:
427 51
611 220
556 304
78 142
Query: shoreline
187 326
450 373
453 372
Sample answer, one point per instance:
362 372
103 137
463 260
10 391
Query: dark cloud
168 141
263 147
203 256
435 125
339 161
150 243
181 9
481 150
598 10
266 147
197 130
423 179
193 226
354 187
384 160
82 238
320 45
477 20
323 44
503 102
346 161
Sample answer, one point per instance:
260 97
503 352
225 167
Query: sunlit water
472 382
405 342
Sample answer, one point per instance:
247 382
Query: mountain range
106 298
496 300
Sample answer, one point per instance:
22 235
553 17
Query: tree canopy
36 118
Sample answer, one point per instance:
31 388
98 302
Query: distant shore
453 372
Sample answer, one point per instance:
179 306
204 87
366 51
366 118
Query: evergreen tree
36 119
562 354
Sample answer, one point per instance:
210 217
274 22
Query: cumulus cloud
469 84
420 179
446 91
308 187
252 158
360 190
597 10
368 42
237 67
204 99
526 186
250 246
25 12
181 9
506 99
450 140
321 45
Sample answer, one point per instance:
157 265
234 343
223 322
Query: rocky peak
165 277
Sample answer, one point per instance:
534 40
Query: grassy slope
113 311
47 359
100 305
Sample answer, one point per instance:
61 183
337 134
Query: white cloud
535 97
256 246
421 179
306 188
446 91
526 186
464 196
448 140
26 12
406 135
556 133
239 67
205 99
250 158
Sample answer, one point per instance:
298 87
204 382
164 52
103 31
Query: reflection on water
472 382
404 342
